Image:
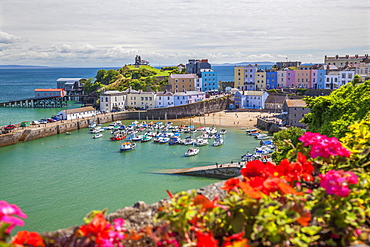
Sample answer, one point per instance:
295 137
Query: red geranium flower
205 239
28 238
235 240
98 229
231 184
254 168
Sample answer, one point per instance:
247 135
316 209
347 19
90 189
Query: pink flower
323 146
8 213
336 182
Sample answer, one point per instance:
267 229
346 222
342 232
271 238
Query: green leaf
311 230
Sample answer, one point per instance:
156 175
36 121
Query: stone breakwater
22 134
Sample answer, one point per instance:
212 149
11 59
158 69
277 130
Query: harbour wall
219 171
269 126
22 134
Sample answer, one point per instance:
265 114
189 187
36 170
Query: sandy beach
230 118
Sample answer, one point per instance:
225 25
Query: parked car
43 121
51 120
35 122
9 127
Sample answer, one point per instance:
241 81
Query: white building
346 76
112 100
76 113
188 97
250 99
332 80
164 99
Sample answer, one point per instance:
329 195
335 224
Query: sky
110 33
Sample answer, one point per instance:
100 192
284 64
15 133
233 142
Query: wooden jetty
54 102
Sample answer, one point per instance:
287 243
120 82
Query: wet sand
230 118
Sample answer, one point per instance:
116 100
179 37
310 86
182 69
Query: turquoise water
57 180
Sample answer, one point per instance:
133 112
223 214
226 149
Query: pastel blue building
321 78
271 79
209 80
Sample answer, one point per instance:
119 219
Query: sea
57 180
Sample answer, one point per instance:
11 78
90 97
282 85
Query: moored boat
174 140
218 142
261 137
126 146
192 152
97 136
146 138
118 137
201 142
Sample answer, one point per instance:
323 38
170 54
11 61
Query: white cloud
6 38
171 32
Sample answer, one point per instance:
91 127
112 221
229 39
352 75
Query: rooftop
78 110
295 103
183 76
69 79
48 89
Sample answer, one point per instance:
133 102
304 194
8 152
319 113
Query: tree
107 77
284 140
90 87
331 115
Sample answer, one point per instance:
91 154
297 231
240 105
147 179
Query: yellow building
239 77
141 100
183 82
260 80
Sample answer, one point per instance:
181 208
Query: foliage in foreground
331 115
319 195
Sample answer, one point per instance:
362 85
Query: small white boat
68 133
96 130
218 142
97 136
201 142
127 146
137 138
146 138
192 152
92 125
164 140
188 141
223 132
261 137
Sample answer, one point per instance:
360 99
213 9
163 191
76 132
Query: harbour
58 179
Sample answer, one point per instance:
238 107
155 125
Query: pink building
290 79
314 78
49 93
303 78
281 80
